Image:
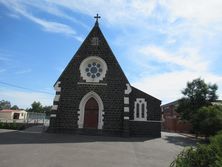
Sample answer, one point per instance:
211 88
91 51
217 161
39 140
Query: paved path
28 149
34 129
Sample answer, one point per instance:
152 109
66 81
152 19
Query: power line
20 87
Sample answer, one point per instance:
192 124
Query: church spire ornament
97 17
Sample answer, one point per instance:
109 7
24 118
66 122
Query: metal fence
31 118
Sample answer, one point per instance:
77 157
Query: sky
160 44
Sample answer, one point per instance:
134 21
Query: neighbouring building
8 114
93 96
171 119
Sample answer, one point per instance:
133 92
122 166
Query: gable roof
87 48
8 111
137 90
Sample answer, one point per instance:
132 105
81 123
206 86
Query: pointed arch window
140 109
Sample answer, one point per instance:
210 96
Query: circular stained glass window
93 70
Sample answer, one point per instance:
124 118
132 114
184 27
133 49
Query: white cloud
204 12
167 86
52 8
49 26
171 32
23 71
24 99
113 11
15 16
187 58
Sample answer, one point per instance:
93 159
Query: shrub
1 125
208 120
202 156
13 126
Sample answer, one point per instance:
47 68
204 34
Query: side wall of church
152 125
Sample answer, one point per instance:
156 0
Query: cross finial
97 17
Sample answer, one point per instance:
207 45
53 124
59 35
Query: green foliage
5 104
14 107
14 125
36 107
208 120
197 94
1 125
47 110
202 156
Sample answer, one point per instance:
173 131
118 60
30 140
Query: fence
31 118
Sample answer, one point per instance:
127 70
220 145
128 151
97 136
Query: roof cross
97 17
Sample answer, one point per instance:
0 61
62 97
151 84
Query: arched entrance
91 102
91 113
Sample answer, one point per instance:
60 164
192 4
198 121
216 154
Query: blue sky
160 44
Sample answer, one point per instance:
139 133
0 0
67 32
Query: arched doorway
83 106
91 113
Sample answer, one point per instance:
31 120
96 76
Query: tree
15 107
208 120
36 107
197 94
5 105
47 109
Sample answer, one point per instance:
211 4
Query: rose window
93 69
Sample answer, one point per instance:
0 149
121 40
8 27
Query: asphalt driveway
31 148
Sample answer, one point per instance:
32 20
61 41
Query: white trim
57 97
57 87
140 101
126 109
54 107
91 59
128 89
126 117
147 121
126 100
91 83
53 115
81 111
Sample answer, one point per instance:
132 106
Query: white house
13 114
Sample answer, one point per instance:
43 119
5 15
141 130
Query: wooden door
91 114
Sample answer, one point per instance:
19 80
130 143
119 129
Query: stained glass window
93 70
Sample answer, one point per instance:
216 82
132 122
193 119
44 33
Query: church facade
93 96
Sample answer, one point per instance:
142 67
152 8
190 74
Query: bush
14 125
202 156
1 125
208 120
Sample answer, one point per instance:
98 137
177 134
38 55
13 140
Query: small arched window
140 109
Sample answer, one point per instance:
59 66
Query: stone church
93 96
